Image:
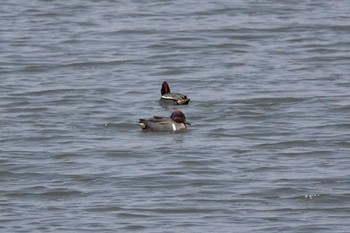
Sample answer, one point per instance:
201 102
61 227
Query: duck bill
187 123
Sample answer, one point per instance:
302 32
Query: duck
175 123
168 98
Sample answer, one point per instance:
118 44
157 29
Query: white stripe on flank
174 127
167 97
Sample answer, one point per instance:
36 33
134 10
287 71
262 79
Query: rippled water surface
268 149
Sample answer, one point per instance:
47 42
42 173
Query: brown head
165 88
179 117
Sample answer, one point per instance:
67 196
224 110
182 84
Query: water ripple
268 147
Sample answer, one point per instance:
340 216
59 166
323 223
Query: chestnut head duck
176 122
169 98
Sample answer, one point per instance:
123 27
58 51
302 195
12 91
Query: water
268 149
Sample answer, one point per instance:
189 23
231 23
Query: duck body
169 98
175 123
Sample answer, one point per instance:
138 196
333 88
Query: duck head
165 88
179 117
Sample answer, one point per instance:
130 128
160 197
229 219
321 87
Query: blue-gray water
269 145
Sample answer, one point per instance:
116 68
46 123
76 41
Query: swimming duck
176 122
169 98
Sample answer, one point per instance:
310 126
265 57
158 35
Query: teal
175 123
169 98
